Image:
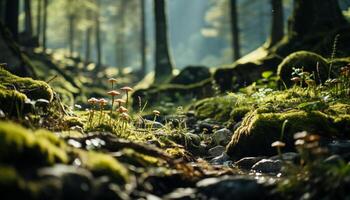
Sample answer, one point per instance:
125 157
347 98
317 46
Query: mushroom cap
124 116
295 79
112 80
278 144
102 101
127 89
92 100
300 135
122 109
299 142
313 138
120 101
113 93
156 112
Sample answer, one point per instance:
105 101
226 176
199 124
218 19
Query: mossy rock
306 60
19 147
33 89
191 75
172 93
11 101
237 75
12 185
102 164
259 130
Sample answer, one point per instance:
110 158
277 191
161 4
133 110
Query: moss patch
33 89
20 146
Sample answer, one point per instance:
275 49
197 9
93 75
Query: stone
291 157
339 146
228 187
221 159
191 75
216 151
247 162
267 166
222 136
334 160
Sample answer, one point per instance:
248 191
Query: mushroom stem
127 99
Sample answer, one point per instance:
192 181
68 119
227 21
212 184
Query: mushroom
296 80
119 101
125 116
122 109
127 90
112 81
113 93
300 135
279 145
92 101
156 113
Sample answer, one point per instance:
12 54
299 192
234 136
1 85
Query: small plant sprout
113 94
127 90
112 81
120 102
279 145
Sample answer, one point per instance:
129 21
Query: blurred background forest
199 30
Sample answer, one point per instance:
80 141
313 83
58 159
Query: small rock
227 188
77 128
216 151
153 124
195 139
220 160
339 146
289 157
222 137
248 162
182 193
267 166
334 160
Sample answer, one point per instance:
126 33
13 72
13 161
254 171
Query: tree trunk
45 25
313 16
88 40
164 67
277 26
98 38
235 30
38 19
2 11
71 37
11 17
120 40
28 18
143 39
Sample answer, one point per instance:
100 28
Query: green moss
138 159
18 146
33 89
238 114
103 164
11 101
70 121
259 130
306 60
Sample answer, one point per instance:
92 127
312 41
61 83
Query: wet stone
216 151
267 166
248 162
222 137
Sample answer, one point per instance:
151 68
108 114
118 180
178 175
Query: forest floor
259 143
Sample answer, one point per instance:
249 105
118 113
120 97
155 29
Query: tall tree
315 16
11 17
164 66
235 29
98 37
120 40
277 25
28 18
45 24
143 39
38 19
71 35
88 38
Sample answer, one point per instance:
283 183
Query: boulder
267 166
191 75
222 137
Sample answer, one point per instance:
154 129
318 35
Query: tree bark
313 16
11 17
120 40
45 25
143 39
277 25
98 38
38 19
28 18
88 40
2 10
164 66
235 30
71 37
